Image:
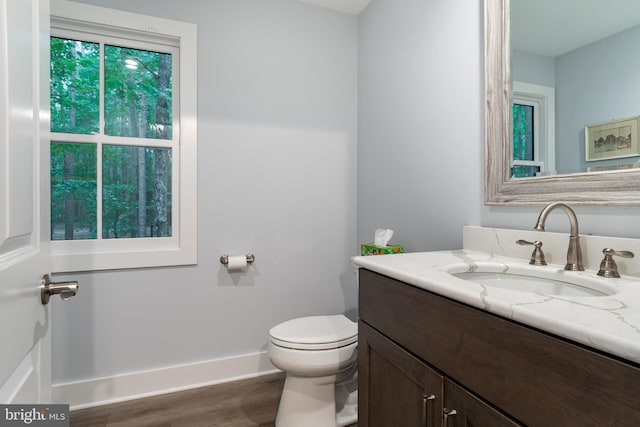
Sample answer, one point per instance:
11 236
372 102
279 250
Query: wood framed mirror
619 187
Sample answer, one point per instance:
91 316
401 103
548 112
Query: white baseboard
103 391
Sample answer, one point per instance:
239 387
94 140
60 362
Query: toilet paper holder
224 259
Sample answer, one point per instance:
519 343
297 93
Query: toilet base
346 395
318 402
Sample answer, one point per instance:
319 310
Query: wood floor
246 403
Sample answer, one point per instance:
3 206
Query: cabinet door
394 388
462 409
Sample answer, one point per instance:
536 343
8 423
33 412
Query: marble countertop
610 323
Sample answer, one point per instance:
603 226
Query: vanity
437 350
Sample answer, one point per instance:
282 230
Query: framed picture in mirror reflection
612 140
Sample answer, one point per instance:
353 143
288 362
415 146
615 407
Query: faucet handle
608 267
537 256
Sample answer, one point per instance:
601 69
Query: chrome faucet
574 253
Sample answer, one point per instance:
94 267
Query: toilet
319 357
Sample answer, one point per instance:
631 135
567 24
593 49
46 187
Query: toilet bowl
318 355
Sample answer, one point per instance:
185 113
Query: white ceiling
346 6
555 27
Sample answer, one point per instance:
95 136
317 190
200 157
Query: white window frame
542 99
68 19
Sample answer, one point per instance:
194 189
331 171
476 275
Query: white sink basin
541 280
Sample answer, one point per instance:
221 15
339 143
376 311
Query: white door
24 219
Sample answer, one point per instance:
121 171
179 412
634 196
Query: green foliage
74 86
73 191
122 191
522 132
523 140
136 180
137 93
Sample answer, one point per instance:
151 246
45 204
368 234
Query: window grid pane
523 171
523 132
136 192
131 184
73 191
74 93
137 93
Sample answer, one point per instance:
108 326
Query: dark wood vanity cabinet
470 411
400 390
391 375
422 356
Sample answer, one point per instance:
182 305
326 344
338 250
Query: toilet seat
315 333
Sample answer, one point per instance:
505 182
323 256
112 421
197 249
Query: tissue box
367 249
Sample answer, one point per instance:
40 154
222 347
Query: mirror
620 186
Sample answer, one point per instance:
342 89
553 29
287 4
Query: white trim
181 248
135 385
113 18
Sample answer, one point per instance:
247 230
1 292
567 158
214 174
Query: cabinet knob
425 399
448 413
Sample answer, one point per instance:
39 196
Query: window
525 146
123 139
533 114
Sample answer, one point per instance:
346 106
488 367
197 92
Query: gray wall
420 121
595 84
420 150
535 69
592 84
277 137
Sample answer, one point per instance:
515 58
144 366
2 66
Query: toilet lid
315 333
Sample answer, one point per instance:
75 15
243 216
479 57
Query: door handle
65 289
